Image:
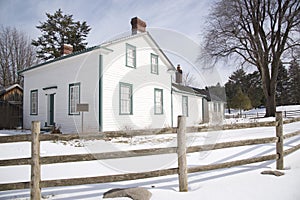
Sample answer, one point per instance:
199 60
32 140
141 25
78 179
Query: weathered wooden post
279 144
35 190
181 152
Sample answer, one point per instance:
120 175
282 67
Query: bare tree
16 53
188 79
259 32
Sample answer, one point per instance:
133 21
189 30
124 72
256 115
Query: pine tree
239 78
282 89
249 84
294 82
230 89
235 82
57 30
254 89
241 101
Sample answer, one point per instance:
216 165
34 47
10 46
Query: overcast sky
109 18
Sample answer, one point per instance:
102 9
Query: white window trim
185 106
34 102
73 105
121 101
132 48
154 66
160 103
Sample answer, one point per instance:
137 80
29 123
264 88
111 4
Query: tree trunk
270 105
269 89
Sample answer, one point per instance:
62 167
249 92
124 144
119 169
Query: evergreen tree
241 101
57 30
239 78
230 90
249 84
294 82
282 89
236 81
254 89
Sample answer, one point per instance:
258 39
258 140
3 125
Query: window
217 107
154 64
34 102
185 106
125 99
158 101
74 98
130 56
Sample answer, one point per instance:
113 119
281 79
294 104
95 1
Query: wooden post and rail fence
182 170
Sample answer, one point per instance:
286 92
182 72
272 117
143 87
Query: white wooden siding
216 116
195 110
143 84
81 69
84 69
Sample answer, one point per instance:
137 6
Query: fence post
35 190
279 144
285 113
181 152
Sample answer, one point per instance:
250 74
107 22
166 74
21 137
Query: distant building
11 107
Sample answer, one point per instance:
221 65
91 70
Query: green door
51 109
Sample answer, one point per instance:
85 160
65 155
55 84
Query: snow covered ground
263 110
243 182
251 115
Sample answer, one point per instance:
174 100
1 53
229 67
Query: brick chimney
68 49
179 74
137 25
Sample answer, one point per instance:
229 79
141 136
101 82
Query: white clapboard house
127 83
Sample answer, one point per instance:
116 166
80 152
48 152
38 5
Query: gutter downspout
172 124
100 93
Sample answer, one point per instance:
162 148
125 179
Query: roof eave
162 52
103 50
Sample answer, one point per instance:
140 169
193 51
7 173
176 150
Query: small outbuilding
11 107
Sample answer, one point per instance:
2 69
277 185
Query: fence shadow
166 179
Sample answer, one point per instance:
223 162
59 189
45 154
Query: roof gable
10 93
149 39
105 48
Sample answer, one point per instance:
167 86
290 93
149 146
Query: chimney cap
178 78
179 68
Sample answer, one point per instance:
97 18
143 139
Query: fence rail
145 152
135 153
104 135
291 113
286 114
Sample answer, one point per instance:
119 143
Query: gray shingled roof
197 91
